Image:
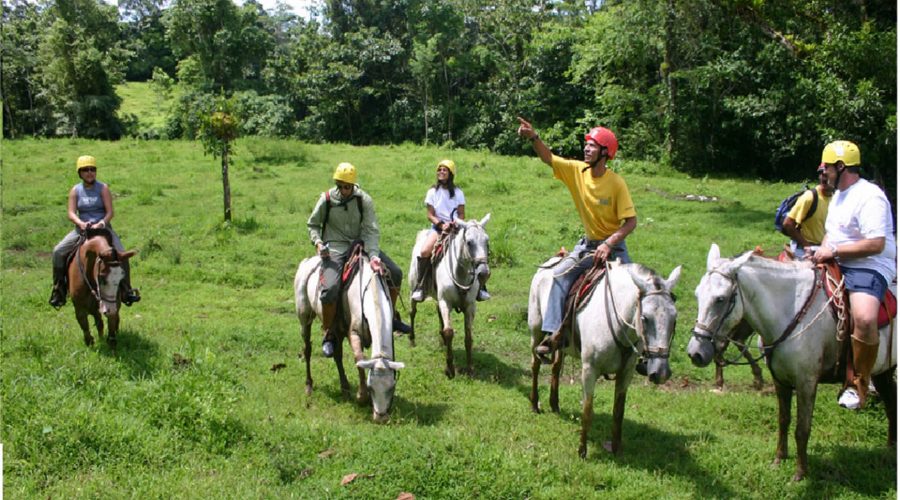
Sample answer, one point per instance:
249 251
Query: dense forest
746 87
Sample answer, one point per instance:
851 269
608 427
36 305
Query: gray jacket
344 224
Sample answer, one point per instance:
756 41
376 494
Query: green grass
88 422
139 100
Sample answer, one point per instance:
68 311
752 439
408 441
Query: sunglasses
88 169
343 187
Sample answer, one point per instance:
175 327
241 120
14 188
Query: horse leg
806 403
362 395
618 416
412 323
785 394
720 367
447 337
469 319
339 363
113 330
81 316
887 389
588 381
555 369
535 371
758 381
98 322
305 332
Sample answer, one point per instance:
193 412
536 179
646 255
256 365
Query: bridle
647 352
380 282
706 332
466 258
94 285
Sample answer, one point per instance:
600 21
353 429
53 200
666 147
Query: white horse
366 307
457 279
801 347
631 313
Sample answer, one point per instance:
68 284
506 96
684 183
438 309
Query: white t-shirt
445 207
859 212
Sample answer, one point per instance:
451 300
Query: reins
454 261
93 286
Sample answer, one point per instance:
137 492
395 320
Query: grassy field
82 422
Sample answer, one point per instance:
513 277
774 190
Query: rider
859 236
342 215
89 207
606 210
807 230
445 202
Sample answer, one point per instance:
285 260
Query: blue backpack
788 203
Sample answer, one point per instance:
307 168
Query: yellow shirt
602 202
811 227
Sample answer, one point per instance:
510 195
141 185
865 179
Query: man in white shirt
859 236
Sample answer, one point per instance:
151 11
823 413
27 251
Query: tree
217 132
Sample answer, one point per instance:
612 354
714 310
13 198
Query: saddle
578 295
440 246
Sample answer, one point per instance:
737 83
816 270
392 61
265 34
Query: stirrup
418 295
483 295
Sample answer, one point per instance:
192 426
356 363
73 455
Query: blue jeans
567 272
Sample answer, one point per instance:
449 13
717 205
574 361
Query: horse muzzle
700 349
658 370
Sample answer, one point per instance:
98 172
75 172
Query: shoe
401 327
417 296
57 299
132 296
328 348
483 295
849 399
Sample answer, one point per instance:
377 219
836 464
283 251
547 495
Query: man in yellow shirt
606 210
804 228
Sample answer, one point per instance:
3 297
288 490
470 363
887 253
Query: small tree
217 131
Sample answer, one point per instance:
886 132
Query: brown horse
95 272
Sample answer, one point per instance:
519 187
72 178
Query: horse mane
765 262
647 274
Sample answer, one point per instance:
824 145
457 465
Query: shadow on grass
853 468
134 351
651 449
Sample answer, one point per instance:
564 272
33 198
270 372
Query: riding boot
864 355
328 313
423 271
129 295
398 326
58 295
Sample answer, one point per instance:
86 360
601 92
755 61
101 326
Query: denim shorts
864 280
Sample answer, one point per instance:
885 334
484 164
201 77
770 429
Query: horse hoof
582 452
309 389
798 476
89 341
611 447
412 342
449 372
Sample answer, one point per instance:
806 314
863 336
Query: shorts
866 281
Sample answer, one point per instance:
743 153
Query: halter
375 279
705 332
94 286
453 260
647 351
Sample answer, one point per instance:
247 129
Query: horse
95 272
367 313
631 313
740 335
457 279
781 301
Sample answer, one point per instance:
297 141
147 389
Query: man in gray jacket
342 215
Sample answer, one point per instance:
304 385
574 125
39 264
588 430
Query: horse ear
485 220
127 255
365 364
640 282
395 365
673 279
713 256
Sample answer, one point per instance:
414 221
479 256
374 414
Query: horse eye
720 299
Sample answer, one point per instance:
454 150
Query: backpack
788 203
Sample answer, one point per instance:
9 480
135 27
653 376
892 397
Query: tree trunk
671 85
226 188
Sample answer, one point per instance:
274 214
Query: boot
129 295
423 269
398 326
483 294
864 356
58 295
546 347
328 313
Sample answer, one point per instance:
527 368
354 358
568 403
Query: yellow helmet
345 172
844 151
85 161
450 164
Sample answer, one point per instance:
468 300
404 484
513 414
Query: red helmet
604 137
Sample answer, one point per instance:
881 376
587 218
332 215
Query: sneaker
417 296
401 327
328 348
849 399
483 295
132 296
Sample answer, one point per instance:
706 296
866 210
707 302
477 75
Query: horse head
105 269
476 245
657 320
381 382
719 307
